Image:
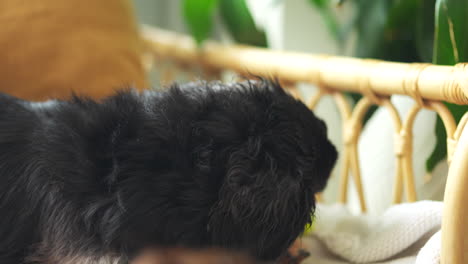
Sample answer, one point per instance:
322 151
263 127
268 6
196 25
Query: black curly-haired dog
234 166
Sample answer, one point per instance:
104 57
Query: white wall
161 13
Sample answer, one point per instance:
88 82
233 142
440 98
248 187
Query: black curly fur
199 165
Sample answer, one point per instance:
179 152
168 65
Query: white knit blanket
405 233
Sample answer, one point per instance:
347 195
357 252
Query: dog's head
233 166
274 156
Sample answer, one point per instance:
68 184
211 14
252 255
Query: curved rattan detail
349 153
352 132
363 81
294 91
344 109
461 125
449 124
434 82
406 146
456 87
315 99
410 82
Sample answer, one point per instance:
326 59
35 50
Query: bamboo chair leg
410 189
356 172
293 91
398 185
315 99
455 215
344 177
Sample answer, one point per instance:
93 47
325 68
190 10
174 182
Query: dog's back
18 125
49 171
232 166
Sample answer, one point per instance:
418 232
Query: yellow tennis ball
309 228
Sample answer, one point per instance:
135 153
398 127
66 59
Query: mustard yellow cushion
49 48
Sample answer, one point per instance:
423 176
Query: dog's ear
261 209
325 162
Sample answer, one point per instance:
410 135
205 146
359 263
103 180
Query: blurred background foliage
199 16
433 31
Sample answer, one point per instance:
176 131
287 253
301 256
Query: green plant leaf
198 16
386 29
401 13
321 4
238 20
450 47
329 19
451 35
370 23
425 30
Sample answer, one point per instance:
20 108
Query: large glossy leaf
238 20
320 3
401 13
385 29
329 19
450 47
451 36
425 29
198 16
370 25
